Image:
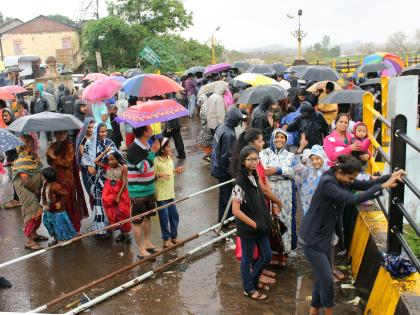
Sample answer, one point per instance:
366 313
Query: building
44 37
4 28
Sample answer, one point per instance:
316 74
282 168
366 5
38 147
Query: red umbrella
148 85
101 89
13 89
5 95
94 76
152 112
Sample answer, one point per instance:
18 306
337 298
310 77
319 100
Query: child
253 222
308 171
360 135
115 198
165 192
55 217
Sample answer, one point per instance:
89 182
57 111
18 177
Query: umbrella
115 74
194 70
239 84
5 95
209 88
392 60
242 66
118 78
262 69
133 72
321 85
298 69
8 140
152 112
148 85
255 94
101 90
94 76
411 70
372 67
320 73
371 82
217 68
279 67
14 69
344 97
45 121
255 79
15 89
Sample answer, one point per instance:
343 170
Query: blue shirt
99 109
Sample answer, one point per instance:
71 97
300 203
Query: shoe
166 244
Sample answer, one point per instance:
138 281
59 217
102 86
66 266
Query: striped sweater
141 172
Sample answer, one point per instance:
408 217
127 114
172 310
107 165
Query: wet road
207 283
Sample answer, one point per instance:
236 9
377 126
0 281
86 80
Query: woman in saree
278 164
92 149
61 156
84 135
27 180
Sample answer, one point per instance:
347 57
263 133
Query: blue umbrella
8 140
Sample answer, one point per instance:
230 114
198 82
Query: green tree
63 19
157 16
114 38
325 42
4 19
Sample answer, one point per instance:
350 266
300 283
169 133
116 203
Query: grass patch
412 239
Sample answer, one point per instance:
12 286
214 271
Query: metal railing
396 211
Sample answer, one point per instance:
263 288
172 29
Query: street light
299 34
213 55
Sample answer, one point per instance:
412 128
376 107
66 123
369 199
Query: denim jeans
323 289
250 278
191 104
169 219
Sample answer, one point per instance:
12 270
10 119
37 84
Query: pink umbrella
13 89
101 90
94 76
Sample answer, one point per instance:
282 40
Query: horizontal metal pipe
144 276
408 140
410 185
111 226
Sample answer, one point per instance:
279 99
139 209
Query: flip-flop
267 280
140 257
259 296
269 273
152 250
34 247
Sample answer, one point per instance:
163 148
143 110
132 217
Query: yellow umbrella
255 79
321 85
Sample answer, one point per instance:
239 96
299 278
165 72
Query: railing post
398 158
368 119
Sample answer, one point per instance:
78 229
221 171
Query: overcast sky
257 23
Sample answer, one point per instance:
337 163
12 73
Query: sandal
34 247
269 273
258 297
12 204
266 280
152 250
338 274
263 286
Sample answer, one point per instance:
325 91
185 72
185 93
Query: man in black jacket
223 143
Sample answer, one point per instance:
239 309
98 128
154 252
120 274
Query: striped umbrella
150 84
101 90
147 113
389 59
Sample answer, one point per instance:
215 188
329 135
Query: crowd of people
290 157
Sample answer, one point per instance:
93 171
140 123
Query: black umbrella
279 67
344 97
370 82
320 73
298 69
14 69
239 84
242 66
372 67
411 70
266 70
255 94
133 72
194 70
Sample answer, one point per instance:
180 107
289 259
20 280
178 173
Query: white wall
402 99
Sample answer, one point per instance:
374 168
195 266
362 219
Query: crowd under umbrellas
155 102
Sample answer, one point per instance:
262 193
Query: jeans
169 219
250 278
191 104
323 289
225 192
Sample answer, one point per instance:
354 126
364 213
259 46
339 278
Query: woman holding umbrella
11 155
61 156
27 180
98 144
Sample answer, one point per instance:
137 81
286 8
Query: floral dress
205 136
282 186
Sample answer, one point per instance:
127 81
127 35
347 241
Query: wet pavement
207 283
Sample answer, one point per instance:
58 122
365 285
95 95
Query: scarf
27 164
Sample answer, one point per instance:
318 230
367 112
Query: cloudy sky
257 23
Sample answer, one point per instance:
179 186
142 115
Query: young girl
115 198
360 135
253 221
165 192
334 191
55 217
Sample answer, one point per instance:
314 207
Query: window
66 43
17 47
